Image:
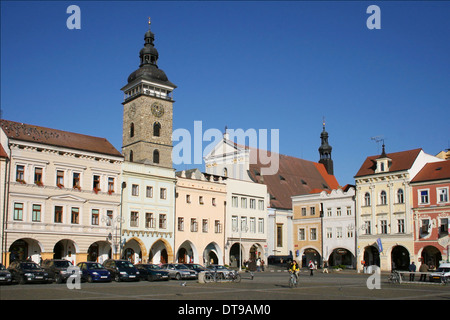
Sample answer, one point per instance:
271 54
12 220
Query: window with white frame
150 220
75 215
95 217
401 225
442 195
425 227
194 225
162 221
149 192
349 211
244 203
163 193
18 211
252 203
205 225
234 223
234 201
368 227
400 196
303 212
217 226
383 198
180 224
329 233
443 227
383 227
301 234
367 199
339 234
313 234
36 213
135 190
38 174
244 227
350 233
134 219
261 225
424 197
20 173
260 204
252 224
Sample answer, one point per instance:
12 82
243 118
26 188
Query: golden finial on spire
149 21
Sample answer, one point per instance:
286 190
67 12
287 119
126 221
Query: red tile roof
54 137
295 177
400 161
433 171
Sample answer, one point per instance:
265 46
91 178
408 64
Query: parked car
24 272
5 275
442 274
122 270
223 271
57 268
179 271
152 272
94 271
195 266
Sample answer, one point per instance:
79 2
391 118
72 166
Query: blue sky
257 64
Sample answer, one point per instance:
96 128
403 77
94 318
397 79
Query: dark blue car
93 271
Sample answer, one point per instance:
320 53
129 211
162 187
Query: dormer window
383 165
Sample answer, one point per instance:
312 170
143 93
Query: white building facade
339 236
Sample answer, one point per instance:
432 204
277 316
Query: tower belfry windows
155 156
132 130
156 129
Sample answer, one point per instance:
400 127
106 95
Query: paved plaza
264 286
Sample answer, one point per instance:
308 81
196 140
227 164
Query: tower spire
325 150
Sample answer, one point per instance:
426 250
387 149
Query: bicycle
211 277
234 276
293 280
394 277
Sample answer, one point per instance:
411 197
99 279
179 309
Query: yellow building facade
307 227
384 224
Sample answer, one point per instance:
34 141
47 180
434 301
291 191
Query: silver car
179 271
222 271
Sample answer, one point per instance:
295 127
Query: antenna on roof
378 139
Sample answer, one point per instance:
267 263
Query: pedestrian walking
412 269
423 268
311 267
325 267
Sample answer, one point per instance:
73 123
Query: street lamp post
245 228
112 223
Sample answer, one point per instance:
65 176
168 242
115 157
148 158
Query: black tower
325 152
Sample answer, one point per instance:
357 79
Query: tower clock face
157 110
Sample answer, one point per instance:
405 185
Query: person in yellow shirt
295 269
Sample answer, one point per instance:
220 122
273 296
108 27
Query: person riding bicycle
294 268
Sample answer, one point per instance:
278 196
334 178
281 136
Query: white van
442 273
